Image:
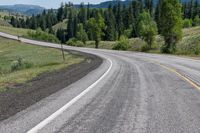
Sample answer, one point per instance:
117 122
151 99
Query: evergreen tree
33 22
158 14
96 27
191 9
110 31
81 34
61 35
147 28
88 11
70 26
13 21
119 21
196 21
149 6
196 8
75 27
82 14
60 14
171 24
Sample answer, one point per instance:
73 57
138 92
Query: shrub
43 36
189 46
196 21
147 29
128 32
75 42
137 44
145 48
81 34
122 44
1 70
20 64
187 23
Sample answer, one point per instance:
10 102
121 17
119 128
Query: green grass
4 23
14 31
189 45
60 25
4 13
43 60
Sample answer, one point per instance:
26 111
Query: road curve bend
129 93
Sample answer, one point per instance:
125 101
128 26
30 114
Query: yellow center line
191 82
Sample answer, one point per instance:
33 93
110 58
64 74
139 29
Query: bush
1 70
20 64
75 42
187 23
189 46
122 44
145 48
128 32
81 34
43 36
196 21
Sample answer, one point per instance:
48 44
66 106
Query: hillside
115 2
23 9
4 23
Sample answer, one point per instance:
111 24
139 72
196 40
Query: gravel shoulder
20 96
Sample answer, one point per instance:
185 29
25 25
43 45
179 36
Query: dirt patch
20 96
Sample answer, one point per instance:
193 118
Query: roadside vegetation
139 26
37 34
20 62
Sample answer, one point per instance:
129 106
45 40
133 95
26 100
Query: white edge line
46 121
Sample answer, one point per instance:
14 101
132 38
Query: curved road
129 93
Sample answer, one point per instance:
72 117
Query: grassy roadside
189 46
15 31
41 59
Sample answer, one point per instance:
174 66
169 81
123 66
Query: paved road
129 93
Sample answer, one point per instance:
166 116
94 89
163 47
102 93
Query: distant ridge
23 9
115 2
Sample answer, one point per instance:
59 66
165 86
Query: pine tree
60 14
33 22
13 21
110 32
147 28
88 11
191 9
61 35
158 14
96 27
75 27
119 21
196 8
70 26
81 34
82 14
171 24
149 6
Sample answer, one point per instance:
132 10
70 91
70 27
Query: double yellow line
191 82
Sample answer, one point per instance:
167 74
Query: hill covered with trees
23 9
137 19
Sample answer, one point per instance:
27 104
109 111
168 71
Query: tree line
139 19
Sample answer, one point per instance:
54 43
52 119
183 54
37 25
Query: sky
47 3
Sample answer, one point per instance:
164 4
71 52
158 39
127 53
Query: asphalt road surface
129 93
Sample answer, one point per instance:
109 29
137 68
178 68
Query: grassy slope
44 60
189 43
14 31
4 23
61 25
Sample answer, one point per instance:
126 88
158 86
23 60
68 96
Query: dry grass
43 60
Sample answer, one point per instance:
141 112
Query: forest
141 19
